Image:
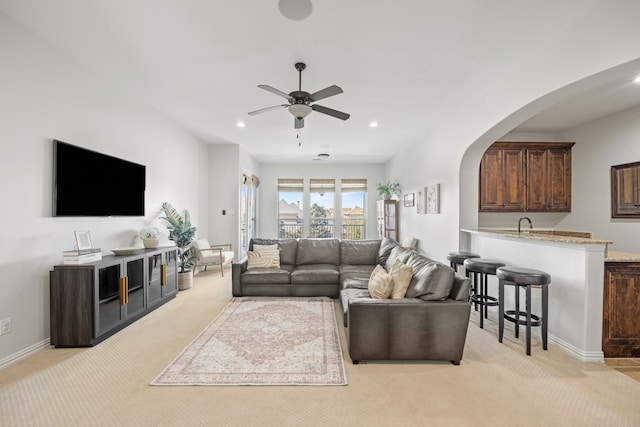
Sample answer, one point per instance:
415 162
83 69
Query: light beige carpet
495 384
264 341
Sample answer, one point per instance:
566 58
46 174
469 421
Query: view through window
353 201
290 205
322 202
322 210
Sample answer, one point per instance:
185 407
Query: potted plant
182 233
388 189
150 237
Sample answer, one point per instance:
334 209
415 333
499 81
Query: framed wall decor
420 203
83 240
433 199
409 199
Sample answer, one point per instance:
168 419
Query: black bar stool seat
523 278
480 269
457 258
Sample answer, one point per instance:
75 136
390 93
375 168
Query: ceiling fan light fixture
300 111
296 10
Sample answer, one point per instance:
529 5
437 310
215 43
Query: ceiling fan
300 102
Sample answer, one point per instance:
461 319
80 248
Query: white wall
270 173
601 144
46 96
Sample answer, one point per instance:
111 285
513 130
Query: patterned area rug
264 341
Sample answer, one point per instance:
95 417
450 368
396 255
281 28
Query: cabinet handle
122 291
126 286
163 274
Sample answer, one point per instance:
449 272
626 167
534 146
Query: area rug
264 341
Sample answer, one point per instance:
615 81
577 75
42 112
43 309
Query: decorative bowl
124 251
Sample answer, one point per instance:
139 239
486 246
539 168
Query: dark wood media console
90 302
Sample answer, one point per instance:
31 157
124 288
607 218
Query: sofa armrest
461 290
237 268
407 329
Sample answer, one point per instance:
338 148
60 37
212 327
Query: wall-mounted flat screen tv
88 183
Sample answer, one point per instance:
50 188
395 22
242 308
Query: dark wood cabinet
90 302
526 177
502 180
621 310
625 190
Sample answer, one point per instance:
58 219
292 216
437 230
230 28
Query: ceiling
199 62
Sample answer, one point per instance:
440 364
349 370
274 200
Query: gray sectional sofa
429 323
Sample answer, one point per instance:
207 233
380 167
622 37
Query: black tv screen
88 183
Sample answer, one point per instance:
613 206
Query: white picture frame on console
83 240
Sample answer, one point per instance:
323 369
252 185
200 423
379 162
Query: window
322 207
353 202
290 192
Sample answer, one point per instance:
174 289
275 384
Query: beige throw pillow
263 259
401 274
380 283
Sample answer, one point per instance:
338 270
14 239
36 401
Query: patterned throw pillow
380 283
263 259
401 274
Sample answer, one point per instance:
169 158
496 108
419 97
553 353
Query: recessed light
373 124
323 156
240 124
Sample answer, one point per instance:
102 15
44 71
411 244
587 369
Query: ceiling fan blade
276 91
331 112
325 93
264 110
298 123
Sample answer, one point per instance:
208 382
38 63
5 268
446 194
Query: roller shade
322 185
291 185
354 186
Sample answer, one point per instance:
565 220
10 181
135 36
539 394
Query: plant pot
386 197
185 280
151 242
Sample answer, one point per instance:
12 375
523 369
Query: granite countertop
615 256
578 237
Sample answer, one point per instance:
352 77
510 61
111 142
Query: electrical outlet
5 326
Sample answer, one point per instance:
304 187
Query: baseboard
23 354
585 356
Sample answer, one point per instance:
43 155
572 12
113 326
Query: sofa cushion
267 275
431 282
386 246
380 283
359 252
347 295
397 253
315 274
318 251
263 259
401 274
355 276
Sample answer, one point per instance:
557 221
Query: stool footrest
484 300
510 316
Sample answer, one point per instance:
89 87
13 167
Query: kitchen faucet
520 221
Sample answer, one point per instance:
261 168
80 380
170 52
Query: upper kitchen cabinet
625 190
526 177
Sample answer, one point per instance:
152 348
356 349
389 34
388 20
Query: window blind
291 185
354 186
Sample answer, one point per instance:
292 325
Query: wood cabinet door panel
621 310
625 191
559 180
537 180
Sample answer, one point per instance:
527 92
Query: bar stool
523 278
482 268
457 258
